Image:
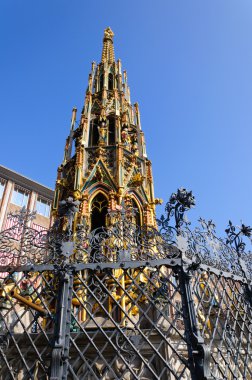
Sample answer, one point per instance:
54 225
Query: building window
19 197
43 207
2 186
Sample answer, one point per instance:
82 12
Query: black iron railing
125 302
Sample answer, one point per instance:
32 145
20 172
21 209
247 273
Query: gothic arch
98 210
136 203
95 192
138 199
99 186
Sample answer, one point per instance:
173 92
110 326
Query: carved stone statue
134 148
103 132
67 210
126 138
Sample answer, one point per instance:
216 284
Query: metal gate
125 303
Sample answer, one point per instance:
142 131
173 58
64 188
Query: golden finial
108 33
108 48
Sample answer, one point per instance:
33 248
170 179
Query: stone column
5 201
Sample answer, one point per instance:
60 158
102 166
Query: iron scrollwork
122 240
235 239
214 317
21 244
179 202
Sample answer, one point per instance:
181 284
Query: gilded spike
108 47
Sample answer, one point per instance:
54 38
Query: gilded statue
126 138
103 132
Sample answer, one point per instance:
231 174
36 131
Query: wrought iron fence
126 302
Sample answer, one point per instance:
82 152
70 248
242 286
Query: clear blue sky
189 66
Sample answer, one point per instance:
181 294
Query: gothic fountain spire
105 164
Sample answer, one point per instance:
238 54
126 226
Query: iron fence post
60 352
198 351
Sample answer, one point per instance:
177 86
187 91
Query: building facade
17 191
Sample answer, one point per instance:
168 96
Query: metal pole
198 351
60 352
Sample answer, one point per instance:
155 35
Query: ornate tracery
109 146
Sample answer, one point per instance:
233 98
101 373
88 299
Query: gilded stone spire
108 54
105 178
105 165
